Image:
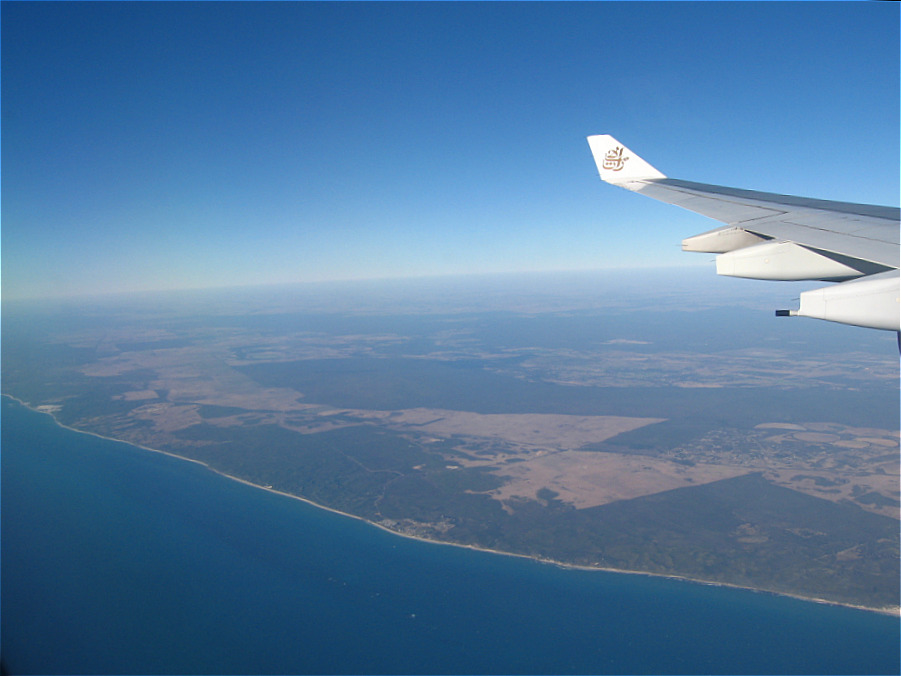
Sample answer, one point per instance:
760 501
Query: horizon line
94 295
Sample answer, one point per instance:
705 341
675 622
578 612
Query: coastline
894 611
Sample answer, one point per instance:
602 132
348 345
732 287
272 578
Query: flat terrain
545 433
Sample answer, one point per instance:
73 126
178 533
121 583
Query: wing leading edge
781 237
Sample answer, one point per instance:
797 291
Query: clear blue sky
164 146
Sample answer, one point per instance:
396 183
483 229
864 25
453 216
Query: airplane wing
780 237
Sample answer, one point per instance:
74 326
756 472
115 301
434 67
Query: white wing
770 236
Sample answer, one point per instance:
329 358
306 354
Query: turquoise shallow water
117 560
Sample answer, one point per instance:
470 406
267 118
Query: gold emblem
614 160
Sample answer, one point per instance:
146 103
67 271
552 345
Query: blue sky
165 146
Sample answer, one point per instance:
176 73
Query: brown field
556 432
585 479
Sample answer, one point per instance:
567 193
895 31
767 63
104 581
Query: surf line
894 611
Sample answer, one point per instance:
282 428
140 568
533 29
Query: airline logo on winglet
614 160
618 165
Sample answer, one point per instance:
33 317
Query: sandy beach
891 610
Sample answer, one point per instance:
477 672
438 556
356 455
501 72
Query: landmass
760 471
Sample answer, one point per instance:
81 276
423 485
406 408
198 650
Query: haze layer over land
652 422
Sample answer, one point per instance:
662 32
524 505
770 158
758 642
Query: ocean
119 560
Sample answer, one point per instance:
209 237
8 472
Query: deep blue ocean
118 560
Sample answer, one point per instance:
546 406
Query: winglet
617 164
